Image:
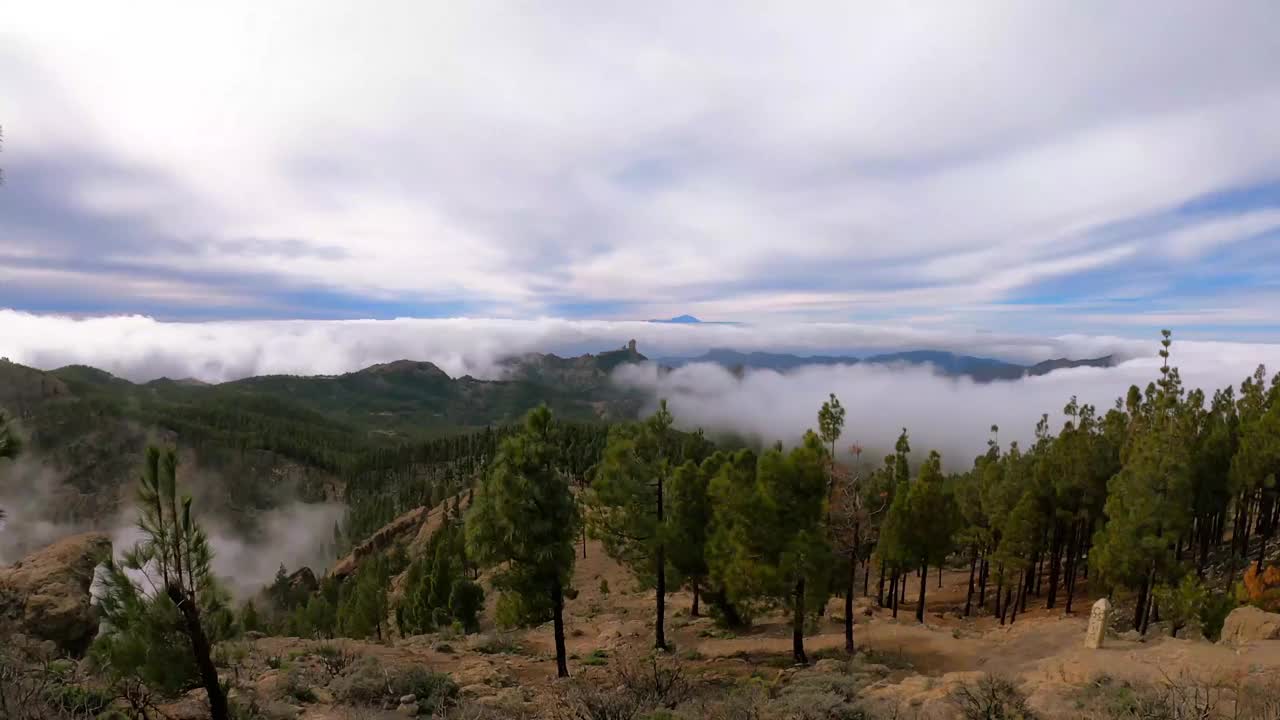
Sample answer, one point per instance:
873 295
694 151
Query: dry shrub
34 685
991 698
1187 698
635 688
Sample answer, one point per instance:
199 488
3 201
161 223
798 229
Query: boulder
1250 624
47 594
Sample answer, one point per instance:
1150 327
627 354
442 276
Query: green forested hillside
265 438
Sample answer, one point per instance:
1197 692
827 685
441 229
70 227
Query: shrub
497 644
367 682
1182 603
1213 614
991 698
597 657
334 659
297 687
812 705
639 690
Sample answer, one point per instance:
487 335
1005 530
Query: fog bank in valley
40 508
948 414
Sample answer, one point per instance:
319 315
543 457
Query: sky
1036 169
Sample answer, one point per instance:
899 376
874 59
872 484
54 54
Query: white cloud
522 157
950 415
141 348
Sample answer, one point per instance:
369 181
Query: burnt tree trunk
924 580
557 610
848 606
202 651
973 566
797 625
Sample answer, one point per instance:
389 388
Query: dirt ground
1043 652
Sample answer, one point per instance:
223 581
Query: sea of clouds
949 414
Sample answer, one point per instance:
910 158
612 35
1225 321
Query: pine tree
768 541
249 619
174 558
1149 501
524 518
362 612
929 511
689 523
628 504
466 601
1255 466
830 426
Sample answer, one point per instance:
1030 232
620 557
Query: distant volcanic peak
680 320
404 367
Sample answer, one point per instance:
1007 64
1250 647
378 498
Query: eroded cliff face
47 594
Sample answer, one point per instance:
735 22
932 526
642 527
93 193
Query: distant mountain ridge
979 369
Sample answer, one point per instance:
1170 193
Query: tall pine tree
524 518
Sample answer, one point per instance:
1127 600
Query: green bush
1213 614
515 610
596 658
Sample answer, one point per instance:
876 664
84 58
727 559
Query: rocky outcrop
1249 624
46 595
402 527
303 582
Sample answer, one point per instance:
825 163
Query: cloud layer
1044 168
141 348
950 415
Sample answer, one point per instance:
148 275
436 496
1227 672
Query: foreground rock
46 595
1249 624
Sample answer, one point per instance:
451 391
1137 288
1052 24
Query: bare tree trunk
557 609
660 630
1140 610
1151 600
924 580
797 625
848 605
973 565
983 575
202 651
1055 565
697 591
1073 557
893 592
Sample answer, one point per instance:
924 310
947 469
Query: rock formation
1248 624
46 595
